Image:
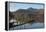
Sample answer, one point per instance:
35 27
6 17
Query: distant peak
30 8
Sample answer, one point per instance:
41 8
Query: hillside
26 15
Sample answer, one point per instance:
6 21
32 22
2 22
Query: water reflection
29 26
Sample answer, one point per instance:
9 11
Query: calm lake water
29 26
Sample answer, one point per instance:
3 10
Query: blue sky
16 6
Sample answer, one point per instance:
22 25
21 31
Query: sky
16 6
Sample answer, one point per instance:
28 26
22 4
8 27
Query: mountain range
36 14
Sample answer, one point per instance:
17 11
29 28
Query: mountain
29 15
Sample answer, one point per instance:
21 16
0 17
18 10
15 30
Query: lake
29 26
